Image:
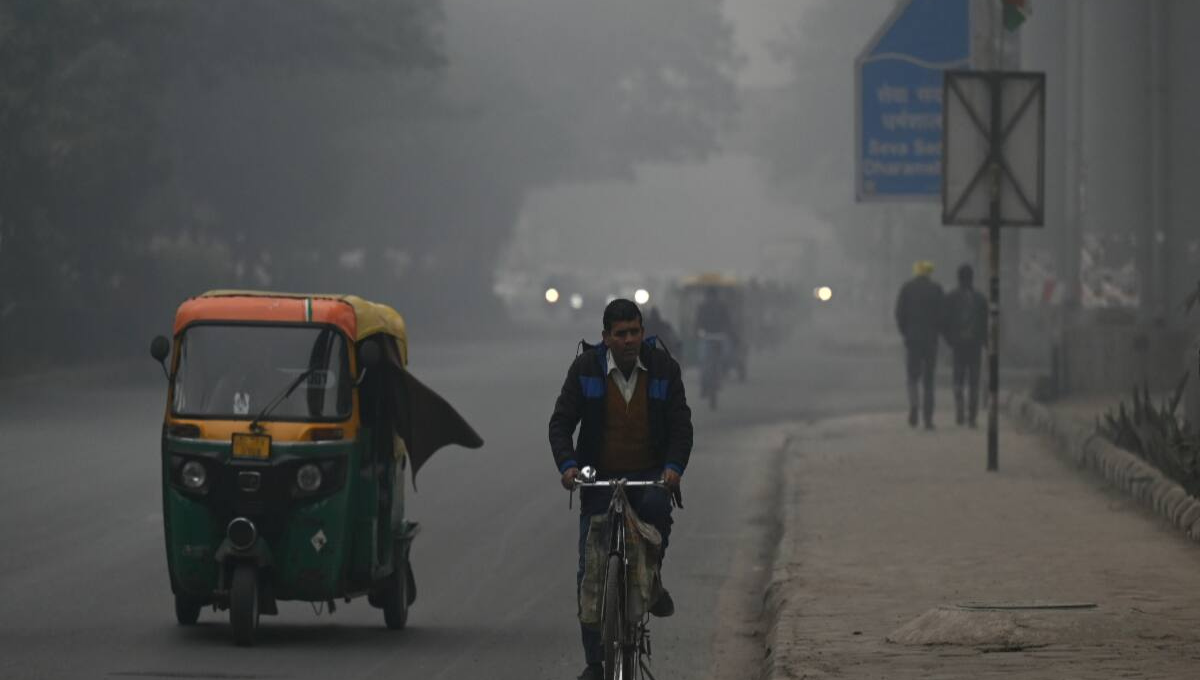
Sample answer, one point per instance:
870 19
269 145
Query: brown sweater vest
626 430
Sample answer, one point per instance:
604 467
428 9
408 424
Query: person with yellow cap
919 317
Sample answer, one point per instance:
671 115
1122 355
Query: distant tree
806 135
541 92
86 87
807 139
276 134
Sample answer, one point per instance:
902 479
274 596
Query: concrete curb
779 627
1078 443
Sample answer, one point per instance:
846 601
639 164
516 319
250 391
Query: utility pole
994 60
1157 277
1074 183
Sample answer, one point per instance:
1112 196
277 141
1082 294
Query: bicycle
623 635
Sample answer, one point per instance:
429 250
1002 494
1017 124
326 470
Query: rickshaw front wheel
243 604
395 595
187 610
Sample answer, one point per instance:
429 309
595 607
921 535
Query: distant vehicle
290 422
731 293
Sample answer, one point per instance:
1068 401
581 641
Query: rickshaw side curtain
426 421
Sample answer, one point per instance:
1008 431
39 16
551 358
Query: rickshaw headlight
193 475
308 478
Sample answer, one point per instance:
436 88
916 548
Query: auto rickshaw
730 292
290 422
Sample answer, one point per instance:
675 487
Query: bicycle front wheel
620 650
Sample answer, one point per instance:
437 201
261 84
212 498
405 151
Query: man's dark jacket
582 402
919 313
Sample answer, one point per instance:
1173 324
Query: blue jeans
652 505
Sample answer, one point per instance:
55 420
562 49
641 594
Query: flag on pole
1016 12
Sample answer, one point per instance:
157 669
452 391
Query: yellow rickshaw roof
370 317
711 279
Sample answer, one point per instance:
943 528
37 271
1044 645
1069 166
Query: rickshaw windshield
234 371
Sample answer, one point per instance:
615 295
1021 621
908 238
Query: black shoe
593 671
664 606
912 418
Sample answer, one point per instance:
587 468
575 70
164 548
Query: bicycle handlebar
617 482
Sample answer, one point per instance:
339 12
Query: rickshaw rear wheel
243 604
395 596
187 610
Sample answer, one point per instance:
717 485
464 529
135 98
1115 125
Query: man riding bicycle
626 396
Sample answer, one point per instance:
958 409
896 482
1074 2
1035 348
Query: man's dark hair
621 310
966 275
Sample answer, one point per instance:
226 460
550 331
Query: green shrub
1159 434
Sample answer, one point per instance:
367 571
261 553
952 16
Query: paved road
83 582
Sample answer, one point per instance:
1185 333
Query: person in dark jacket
658 327
626 397
965 328
919 317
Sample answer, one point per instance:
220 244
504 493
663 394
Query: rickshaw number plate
252 446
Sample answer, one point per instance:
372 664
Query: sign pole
993 435
994 220
995 177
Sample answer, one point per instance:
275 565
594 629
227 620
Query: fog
433 152
498 171
414 153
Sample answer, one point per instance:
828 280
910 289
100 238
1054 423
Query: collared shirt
626 385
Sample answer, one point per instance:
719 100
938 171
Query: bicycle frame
636 634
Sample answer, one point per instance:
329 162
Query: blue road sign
899 91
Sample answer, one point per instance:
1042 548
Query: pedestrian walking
919 317
965 328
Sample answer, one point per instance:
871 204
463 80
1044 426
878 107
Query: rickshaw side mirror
160 349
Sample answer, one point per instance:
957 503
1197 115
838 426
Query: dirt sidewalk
888 531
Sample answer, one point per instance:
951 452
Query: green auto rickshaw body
304 485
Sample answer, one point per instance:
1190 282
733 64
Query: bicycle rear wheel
616 635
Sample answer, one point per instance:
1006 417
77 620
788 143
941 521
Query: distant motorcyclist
919 317
718 341
712 316
965 328
658 327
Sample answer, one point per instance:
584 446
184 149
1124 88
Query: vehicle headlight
308 478
193 475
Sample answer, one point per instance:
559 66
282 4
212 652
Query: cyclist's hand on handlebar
568 478
671 478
